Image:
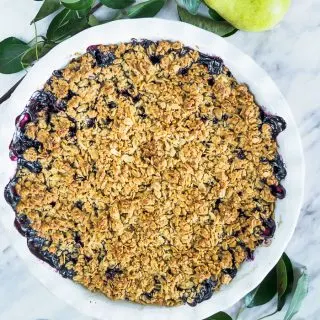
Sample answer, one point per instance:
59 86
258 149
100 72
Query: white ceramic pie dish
245 70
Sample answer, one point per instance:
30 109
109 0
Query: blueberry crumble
145 171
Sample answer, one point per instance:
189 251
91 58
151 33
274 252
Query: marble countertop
291 55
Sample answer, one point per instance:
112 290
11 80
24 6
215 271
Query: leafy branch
278 282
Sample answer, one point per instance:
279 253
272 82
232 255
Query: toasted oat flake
156 173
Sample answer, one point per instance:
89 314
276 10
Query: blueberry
270 228
102 58
184 51
276 123
73 131
278 191
279 169
79 204
77 240
155 59
225 117
211 82
107 121
91 122
10 193
33 166
205 293
111 273
67 273
144 43
250 254
57 73
136 98
215 120
112 105
232 272
183 71
142 112
240 154
70 95
214 64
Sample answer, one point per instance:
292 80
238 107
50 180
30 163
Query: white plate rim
245 69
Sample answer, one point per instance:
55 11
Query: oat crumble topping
146 172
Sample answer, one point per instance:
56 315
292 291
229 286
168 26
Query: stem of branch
95 8
7 95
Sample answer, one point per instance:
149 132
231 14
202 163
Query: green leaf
290 278
48 7
35 52
219 316
299 294
191 5
145 9
215 15
117 4
77 4
222 28
66 24
11 51
265 291
281 278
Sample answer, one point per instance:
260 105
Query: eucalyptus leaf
219 316
191 5
145 9
77 4
11 51
290 278
48 7
117 4
265 291
35 52
221 28
299 294
66 24
215 15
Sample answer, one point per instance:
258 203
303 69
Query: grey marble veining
291 55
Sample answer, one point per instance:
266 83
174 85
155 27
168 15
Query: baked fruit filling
146 172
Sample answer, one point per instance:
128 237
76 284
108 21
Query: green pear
251 15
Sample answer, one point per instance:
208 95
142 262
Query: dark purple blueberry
278 191
21 142
155 59
270 228
229 74
211 81
205 293
183 71
264 160
10 193
107 121
279 169
214 64
250 254
216 204
22 224
57 73
145 43
136 98
204 118
112 105
22 120
73 131
87 258
240 154
33 166
232 272
276 123
67 273
79 204
225 117
125 93
70 95
142 112
91 122
215 120
111 273
43 100
77 240
184 51
103 58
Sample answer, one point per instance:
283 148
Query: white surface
245 70
297 76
